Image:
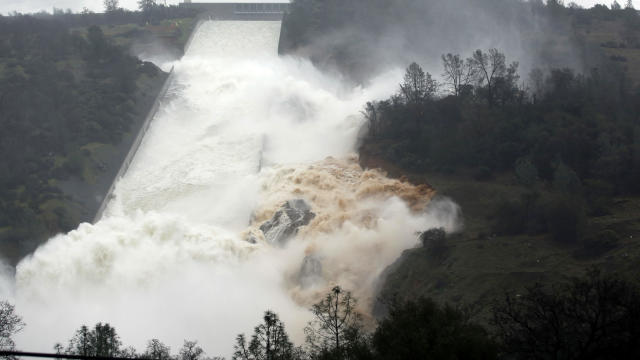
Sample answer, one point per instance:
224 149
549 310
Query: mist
179 254
364 38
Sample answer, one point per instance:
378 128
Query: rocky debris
286 221
310 271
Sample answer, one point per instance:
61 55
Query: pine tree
337 326
269 341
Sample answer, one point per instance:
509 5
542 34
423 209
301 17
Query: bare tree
111 6
191 351
490 69
629 5
370 113
457 72
417 85
157 350
10 324
336 325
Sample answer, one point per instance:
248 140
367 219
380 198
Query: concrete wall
135 146
240 11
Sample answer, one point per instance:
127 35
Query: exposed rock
286 221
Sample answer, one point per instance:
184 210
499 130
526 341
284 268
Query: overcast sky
27 6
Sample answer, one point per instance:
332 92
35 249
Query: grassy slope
478 265
617 43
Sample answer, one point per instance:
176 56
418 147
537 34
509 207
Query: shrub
509 218
595 317
435 241
423 330
600 243
482 173
565 219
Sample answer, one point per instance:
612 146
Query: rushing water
242 132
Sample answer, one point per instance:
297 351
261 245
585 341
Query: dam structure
243 195
221 11
240 10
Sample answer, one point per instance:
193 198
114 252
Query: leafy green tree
423 330
10 324
269 341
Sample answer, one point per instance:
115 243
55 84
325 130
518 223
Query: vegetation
70 96
595 317
422 329
591 317
571 140
545 164
269 341
10 324
102 341
360 37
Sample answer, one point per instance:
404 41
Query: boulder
285 222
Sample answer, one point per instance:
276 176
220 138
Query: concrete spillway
179 252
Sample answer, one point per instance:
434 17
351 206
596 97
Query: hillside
543 163
72 101
475 155
478 265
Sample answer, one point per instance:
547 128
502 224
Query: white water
244 131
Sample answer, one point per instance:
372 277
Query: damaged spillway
244 196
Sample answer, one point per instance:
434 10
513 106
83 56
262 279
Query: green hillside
71 101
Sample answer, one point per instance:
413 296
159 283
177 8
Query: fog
179 254
364 40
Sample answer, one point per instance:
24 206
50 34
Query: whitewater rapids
242 132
